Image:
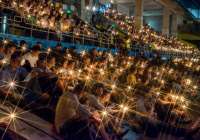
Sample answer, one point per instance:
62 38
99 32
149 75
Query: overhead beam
153 12
173 6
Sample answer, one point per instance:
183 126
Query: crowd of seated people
146 35
102 91
50 15
122 33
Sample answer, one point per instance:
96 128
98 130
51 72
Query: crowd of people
146 35
51 16
121 31
104 89
93 94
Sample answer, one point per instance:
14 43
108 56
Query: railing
81 40
30 30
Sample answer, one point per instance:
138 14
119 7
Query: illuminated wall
154 21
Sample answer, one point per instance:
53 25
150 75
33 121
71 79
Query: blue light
4 24
104 7
108 5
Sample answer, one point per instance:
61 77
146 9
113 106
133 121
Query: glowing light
184 106
12 84
83 53
104 113
71 72
12 116
101 71
173 96
157 93
49 50
4 61
79 71
94 8
121 70
124 108
14 3
87 8
87 77
129 87
162 81
113 86
24 48
5 41
182 99
195 87
61 71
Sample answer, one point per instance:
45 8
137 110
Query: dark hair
49 57
36 48
79 88
15 55
22 42
95 87
42 56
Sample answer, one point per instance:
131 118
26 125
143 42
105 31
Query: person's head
79 89
41 64
15 59
70 64
22 43
98 89
58 47
42 60
51 60
105 97
36 50
11 48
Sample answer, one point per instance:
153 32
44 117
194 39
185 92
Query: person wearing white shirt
32 56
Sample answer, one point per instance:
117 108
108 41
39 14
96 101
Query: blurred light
94 8
12 116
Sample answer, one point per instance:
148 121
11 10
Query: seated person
32 56
11 74
92 99
40 84
69 110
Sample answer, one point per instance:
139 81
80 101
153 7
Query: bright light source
125 109
4 61
83 53
87 8
101 71
113 86
87 77
182 99
184 107
79 71
12 84
23 48
104 113
93 8
49 50
157 93
162 81
12 116
195 87
71 72
5 41
129 87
